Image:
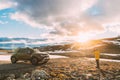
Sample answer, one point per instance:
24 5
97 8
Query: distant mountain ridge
10 43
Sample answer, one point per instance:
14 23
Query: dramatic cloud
5 4
63 16
108 13
105 11
68 17
25 18
115 28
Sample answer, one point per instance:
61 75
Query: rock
26 75
11 77
118 77
62 76
53 74
74 78
54 79
88 76
39 75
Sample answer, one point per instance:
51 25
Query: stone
39 74
88 76
11 77
26 75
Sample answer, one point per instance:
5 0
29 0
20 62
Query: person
97 56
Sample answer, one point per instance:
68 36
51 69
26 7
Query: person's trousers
97 63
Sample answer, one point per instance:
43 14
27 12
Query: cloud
5 4
63 16
25 18
5 22
104 11
1 22
68 17
115 28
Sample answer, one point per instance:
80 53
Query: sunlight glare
84 38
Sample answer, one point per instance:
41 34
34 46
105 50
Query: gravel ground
60 69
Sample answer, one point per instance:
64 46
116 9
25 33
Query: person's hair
95 49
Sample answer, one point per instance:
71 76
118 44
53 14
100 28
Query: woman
97 56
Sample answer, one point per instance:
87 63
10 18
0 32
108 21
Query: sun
84 38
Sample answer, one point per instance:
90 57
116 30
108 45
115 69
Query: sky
67 19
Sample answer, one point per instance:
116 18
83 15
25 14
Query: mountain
10 43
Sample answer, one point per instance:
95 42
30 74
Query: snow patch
109 60
57 56
110 54
113 41
7 57
60 51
